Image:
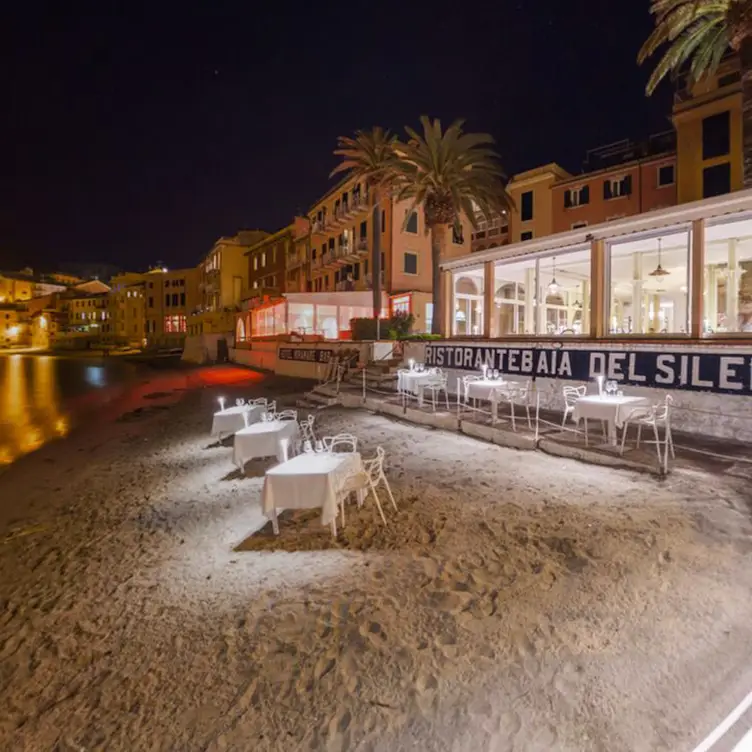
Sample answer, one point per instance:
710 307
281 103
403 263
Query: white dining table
263 439
309 481
226 422
613 409
483 389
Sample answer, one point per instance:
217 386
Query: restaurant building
658 301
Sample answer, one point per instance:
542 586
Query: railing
362 244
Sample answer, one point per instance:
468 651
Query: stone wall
726 416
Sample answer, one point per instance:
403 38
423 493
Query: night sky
141 132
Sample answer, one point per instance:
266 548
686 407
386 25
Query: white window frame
658 176
616 187
574 197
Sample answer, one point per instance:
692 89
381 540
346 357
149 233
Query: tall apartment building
223 282
707 117
342 236
266 260
619 180
170 296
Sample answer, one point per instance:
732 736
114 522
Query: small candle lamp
411 363
222 404
599 377
484 367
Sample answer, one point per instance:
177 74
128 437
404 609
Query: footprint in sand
323 666
446 643
374 633
506 730
339 732
426 687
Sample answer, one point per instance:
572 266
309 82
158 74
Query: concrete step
322 400
325 390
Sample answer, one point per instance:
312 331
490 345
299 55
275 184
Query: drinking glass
319 445
307 448
239 401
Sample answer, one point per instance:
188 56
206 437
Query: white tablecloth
263 440
309 481
413 381
227 422
483 388
611 409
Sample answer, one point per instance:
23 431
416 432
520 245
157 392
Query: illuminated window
174 324
649 284
727 288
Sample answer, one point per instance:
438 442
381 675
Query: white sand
515 602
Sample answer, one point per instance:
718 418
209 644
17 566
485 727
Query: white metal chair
652 416
436 385
372 476
571 395
286 415
341 443
306 429
517 393
466 381
305 433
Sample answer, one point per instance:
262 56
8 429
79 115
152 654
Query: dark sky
136 132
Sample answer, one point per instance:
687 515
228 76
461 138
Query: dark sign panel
705 372
307 355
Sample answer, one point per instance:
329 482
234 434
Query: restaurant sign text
709 372
307 355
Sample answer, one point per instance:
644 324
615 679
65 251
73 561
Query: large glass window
564 285
468 303
727 279
649 284
514 298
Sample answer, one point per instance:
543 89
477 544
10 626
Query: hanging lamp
553 285
659 271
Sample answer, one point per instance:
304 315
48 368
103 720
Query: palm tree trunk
745 54
376 256
438 238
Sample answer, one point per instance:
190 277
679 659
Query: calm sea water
42 397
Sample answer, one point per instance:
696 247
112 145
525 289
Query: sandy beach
515 602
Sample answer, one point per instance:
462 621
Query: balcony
320 227
358 205
295 260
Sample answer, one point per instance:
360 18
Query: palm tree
699 32
370 157
449 174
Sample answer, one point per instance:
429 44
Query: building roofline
271 238
709 208
616 168
332 190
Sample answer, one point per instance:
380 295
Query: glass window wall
649 284
562 283
727 277
468 303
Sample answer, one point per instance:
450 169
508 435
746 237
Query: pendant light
659 271
553 285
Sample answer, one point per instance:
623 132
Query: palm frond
694 30
450 173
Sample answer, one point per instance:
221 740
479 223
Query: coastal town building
266 261
169 296
620 180
223 281
707 117
16 287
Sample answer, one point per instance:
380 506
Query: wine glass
319 445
